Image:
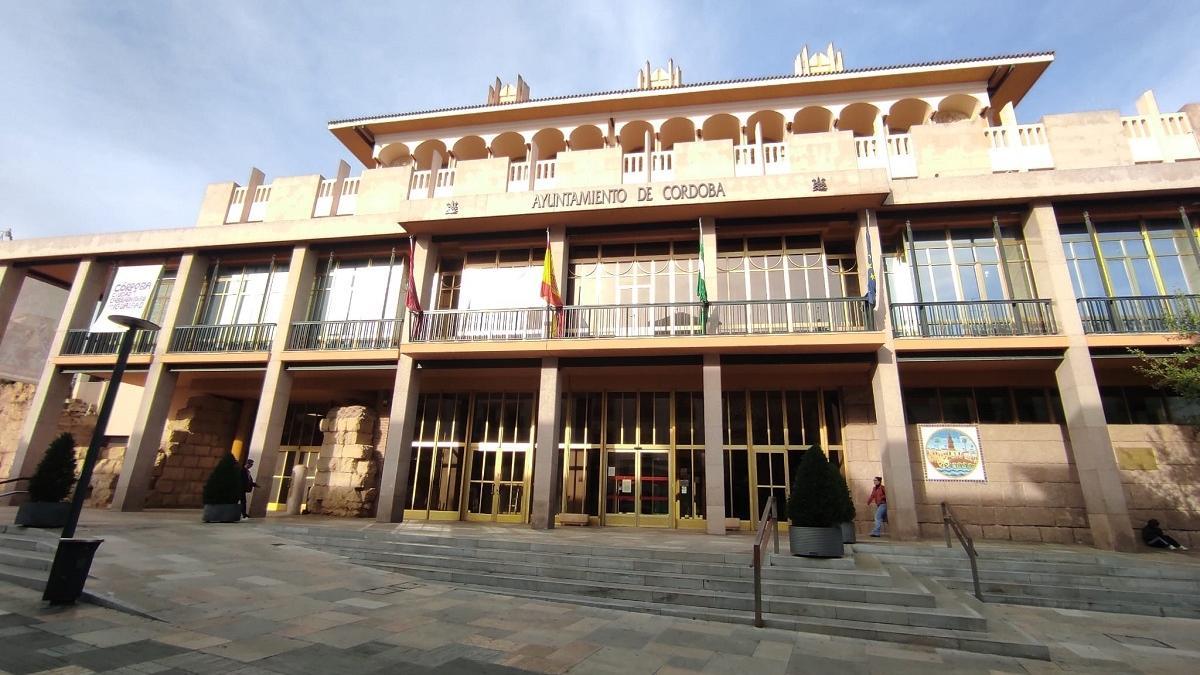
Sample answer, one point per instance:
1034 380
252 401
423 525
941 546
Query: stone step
31 560
23 576
790 606
743 583
1133 584
1147 571
970 641
1095 599
1050 561
782 567
17 542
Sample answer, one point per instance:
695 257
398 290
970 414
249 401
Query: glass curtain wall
960 265
497 295
785 268
243 294
1137 258
622 290
356 290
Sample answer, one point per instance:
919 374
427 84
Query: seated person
1153 535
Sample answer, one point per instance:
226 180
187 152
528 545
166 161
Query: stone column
397 450
11 279
547 465
1095 460
714 446
890 426
277 380
155 407
41 422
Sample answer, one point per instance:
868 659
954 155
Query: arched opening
676 130
587 137
956 108
812 120
394 154
907 113
633 136
509 144
859 118
424 154
720 127
469 147
772 127
549 142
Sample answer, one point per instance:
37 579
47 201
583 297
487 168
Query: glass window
1033 406
244 294
957 406
994 406
921 406
1115 410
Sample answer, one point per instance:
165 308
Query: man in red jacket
879 498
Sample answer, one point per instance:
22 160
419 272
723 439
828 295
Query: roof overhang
1008 79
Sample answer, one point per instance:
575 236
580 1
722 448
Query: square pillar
277 380
145 439
11 280
397 450
714 446
41 422
892 435
1087 429
547 466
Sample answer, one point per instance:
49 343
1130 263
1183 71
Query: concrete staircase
26 554
853 597
1152 584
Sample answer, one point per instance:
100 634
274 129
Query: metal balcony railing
242 337
815 315
978 318
1141 314
79 342
345 335
668 319
480 325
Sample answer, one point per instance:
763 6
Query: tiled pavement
236 599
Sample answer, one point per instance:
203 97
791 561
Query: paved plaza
239 598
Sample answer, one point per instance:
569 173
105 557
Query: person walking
248 484
1153 535
879 498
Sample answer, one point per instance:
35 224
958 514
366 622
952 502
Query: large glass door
291 456
501 452
438 457
638 459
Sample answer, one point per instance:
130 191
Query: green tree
224 485
819 495
55 474
1179 371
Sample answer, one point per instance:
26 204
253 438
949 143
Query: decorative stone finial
660 78
508 93
819 63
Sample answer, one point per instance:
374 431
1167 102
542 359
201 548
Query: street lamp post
73 558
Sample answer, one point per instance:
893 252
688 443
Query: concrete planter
848 535
816 542
222 513
577 519
43 514
733 524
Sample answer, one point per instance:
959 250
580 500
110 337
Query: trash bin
69 572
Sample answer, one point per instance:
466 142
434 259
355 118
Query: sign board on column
130 293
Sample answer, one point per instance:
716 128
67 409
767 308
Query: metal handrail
795 315
973 318
768 522
344 335
1136 314
968 544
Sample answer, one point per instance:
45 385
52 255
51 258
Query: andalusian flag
550 290
701 288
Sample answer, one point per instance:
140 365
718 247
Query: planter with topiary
49 487
846 519
222 492
816 508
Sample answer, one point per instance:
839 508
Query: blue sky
116 114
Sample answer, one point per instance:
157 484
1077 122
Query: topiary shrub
55 474
816 500
224 485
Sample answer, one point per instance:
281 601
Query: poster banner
951 453
129 295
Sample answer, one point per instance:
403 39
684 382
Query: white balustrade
234 214
633 168
518 176
443 185
1179 139
775 159
1142 143
662 165
258 207
543 174
745 160
902 163
1023 147
324 205
869 156
418 187
348 201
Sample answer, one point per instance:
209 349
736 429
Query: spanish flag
550 290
